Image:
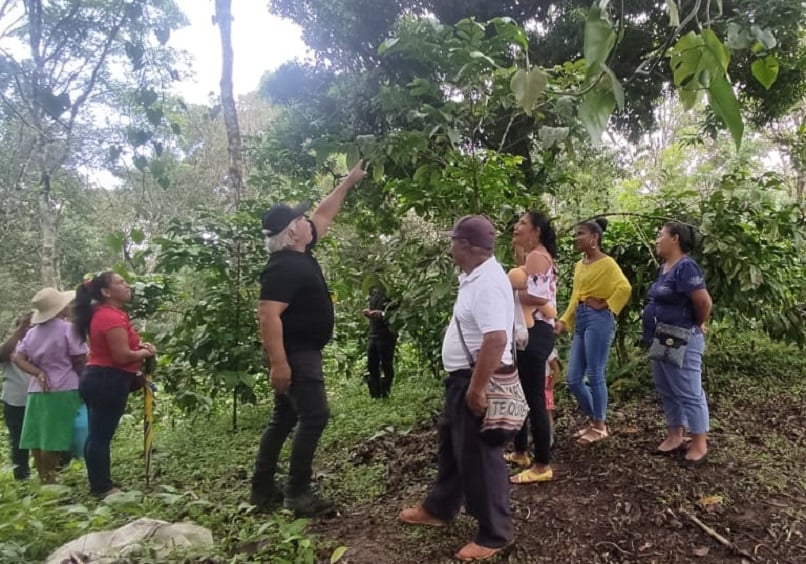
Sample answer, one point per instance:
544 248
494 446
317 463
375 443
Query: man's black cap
280 216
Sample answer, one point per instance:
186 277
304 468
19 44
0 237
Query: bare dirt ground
613 501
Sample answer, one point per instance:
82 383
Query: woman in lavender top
53 355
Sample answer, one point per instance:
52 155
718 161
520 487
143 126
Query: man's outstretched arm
328 208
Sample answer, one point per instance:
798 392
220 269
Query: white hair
278 242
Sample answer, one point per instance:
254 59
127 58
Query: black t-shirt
378 327
296 279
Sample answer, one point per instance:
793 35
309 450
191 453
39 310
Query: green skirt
49 419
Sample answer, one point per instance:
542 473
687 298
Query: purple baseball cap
476 230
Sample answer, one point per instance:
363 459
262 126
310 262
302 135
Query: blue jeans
680 389
590 350
105 391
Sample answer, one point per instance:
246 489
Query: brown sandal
593 435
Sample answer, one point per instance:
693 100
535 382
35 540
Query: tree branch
76 106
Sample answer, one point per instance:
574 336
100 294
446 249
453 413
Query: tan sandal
583 431
593 435
531 477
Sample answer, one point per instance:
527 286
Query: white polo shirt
484 303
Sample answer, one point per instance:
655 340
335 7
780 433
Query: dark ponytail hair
686 237
547 234
597 225
88 292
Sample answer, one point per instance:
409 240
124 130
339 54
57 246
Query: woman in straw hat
54 356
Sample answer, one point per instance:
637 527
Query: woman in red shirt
116 355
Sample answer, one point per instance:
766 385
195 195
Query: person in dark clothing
296 318
381 345
15 395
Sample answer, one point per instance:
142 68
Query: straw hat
49 302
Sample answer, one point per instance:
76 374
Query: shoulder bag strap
467 350
464 344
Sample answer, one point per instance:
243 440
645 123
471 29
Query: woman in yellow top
600 292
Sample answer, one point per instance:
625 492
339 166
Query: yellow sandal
529 476
520 459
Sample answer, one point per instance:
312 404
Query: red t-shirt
104 319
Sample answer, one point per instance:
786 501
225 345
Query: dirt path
613 502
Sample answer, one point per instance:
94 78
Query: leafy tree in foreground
76 54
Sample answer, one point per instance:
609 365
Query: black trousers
304 407
470 471
14 415
381 358
532 372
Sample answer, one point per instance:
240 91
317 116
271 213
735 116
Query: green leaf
353 155
137 236
598 41
615 86
154 116
685 58
54 490
764 36
387 44
738 37
138 137
116 241
377 172
715 49
674 15
756 277
765 70
718 7
133 10
337 554
595 110
527 87
725 105
163 34
114 153
689 98
480 55
140 163
551 136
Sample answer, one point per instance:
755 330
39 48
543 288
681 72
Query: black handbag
670 343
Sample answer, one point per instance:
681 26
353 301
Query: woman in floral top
533 233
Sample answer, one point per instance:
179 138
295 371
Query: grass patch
202 471
202 467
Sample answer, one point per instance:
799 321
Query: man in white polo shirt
469 469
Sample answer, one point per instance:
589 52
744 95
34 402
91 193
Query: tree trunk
223 17
48 222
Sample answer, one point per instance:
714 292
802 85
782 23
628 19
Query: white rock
106 547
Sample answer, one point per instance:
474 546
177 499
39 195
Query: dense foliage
642 111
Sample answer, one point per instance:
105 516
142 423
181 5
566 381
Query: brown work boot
472 552
419 516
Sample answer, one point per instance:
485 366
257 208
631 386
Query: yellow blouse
600 279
